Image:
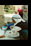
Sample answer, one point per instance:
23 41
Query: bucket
4 27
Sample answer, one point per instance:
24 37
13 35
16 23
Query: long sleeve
23 25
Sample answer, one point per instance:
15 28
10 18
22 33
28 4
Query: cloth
24 35
20 12
17 18
16 34
16 28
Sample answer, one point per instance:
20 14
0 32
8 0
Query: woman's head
16 18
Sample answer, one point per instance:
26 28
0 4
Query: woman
20 12
25 12
17 19
20 23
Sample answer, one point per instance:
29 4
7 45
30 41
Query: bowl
11 27
4 27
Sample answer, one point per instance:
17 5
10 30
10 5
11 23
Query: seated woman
17 19
20 23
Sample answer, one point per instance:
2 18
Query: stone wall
7 6
1 15
14 7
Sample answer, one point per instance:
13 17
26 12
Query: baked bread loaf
2 36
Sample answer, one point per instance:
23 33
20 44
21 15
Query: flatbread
1 32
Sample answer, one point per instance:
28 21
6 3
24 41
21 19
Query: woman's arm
13 20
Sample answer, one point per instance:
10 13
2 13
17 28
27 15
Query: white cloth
16 34
17 20
1 32
16 16
16 28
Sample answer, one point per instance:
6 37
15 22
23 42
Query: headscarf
20 10
17 18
